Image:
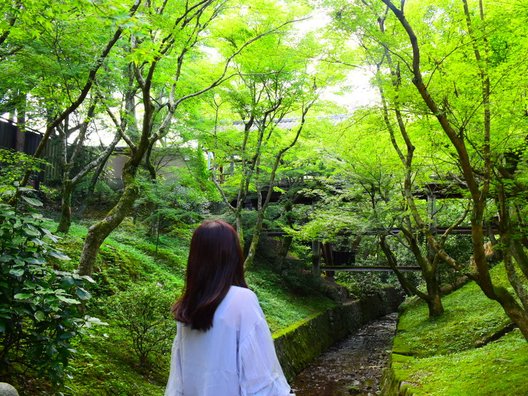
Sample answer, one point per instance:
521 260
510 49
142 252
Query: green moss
294 326
281 306
106 366
499 368
301 342
441 356
469 318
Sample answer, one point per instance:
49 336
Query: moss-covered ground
453 354
104 363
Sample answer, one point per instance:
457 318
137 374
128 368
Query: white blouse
234 357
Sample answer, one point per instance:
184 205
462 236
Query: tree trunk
434 301
254 240
91 188
284 249
65 219
98 232
520 256
316 258
516 246
239 228
513 310
21 124
435 307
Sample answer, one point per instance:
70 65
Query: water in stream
351 367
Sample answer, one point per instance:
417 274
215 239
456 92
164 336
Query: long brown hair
215 264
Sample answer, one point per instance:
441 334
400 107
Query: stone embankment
302 342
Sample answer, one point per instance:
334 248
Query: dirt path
353 366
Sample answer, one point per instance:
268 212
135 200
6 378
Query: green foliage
40 311
143 312
364 284
178 199
50 42
52 194
103 193
13 165
459 247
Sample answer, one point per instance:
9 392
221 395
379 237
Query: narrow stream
353 366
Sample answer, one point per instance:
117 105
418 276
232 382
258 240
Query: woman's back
223 346
234 357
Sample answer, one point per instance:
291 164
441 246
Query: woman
223 345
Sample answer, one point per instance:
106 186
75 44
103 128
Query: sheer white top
235 357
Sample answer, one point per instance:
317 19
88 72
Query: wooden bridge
370 268
395 231
345 261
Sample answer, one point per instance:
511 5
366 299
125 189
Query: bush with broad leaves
40 307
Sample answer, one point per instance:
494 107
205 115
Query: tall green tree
273 84
50 67
161 72
73 169
458 65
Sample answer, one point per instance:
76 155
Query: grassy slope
442 357
104 364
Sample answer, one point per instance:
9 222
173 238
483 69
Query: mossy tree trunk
434 300
257 231
98 232
287 240
239 228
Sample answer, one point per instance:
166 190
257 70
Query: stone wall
300 343
391 385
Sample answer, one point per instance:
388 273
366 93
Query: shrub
143 311
39 306
15 164
364 284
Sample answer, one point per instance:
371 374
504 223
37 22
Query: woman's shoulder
242 295
239 304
